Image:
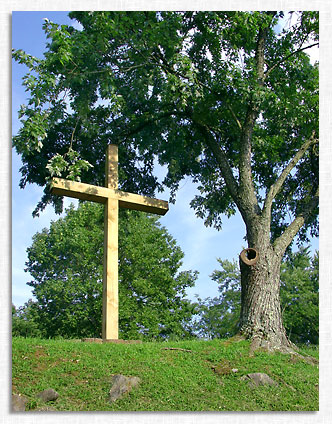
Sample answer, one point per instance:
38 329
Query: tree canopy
185 87
65 262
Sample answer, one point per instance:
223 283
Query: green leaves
73 166
33 132
22 57
300 296
56 165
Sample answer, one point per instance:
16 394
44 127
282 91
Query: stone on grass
18 403
258 379
48 395
121 385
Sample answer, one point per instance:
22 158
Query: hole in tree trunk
249 256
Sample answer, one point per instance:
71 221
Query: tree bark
261 318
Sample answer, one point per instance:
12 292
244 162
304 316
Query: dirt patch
39 355
235 339
40 352
223 368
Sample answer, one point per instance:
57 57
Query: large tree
66 263
227 98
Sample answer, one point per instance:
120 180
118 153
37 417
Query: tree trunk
260 318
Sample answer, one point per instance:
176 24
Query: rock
121 385
48 395
18 403
258 379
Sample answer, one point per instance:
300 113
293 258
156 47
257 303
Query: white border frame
325 413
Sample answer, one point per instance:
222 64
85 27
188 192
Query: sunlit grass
171 380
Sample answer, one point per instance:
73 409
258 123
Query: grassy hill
192 376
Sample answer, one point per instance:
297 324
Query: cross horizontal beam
99 194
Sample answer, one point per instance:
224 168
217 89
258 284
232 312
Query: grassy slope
171 380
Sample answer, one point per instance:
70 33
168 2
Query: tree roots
258 343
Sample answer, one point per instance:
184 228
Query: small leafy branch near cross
112 198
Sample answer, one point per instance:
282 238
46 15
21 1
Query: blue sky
201 245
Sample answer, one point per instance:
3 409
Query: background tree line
65 262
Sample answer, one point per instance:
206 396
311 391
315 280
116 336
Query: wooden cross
112 198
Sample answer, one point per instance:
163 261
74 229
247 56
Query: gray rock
258 379
48 395
121 385
18 403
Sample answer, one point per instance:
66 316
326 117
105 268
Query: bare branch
267 73
276 187
72 134
234 115
130 68
283 241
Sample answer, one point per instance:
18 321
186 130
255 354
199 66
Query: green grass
171 380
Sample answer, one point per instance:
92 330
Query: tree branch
221 158
267 73
238 123
276 187
73 133
246 187
283 241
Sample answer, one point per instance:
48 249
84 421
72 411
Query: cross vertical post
110 312
113 199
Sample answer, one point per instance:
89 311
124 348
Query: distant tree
24 322
299 294
16 329
218 317
66 264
